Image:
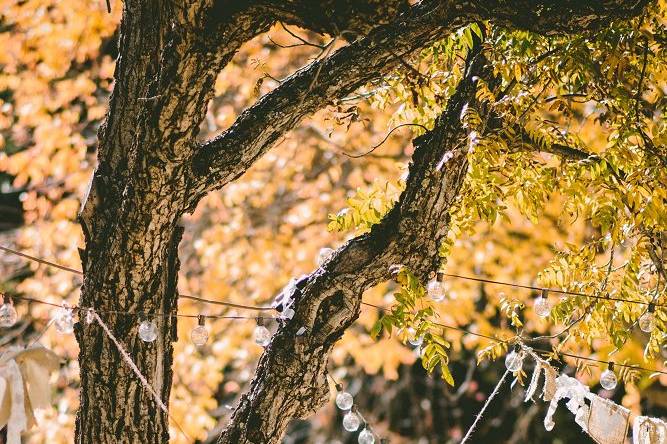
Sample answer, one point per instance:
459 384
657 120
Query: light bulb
436 288
608 378
199 334
344 400
64 320
8 316
542 307
351 421
514 360
366 437
262 335
413 338
647 320
148 331
323 256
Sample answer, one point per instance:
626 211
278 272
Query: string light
541 306
262 334
344 400
63 319
608 378
647 320
351 421
413 338
366 437
394 269
436 288
199 334
8 315
514 359
147 331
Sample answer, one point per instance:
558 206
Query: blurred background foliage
525 217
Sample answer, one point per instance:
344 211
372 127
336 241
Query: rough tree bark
151 171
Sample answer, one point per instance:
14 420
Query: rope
485 406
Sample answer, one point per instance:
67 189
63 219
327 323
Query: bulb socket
651 307
440 276
201 319
545 293
610 366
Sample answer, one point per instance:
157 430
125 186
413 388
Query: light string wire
457 276
137 372
520 340
450 327
552 290
80 273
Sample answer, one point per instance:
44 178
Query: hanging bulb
647 320
413 339
64 319
608 378
366 437
351 421
514 359
436 288
262 334
148 331
541 306
199 334
323 256
344 400
8 315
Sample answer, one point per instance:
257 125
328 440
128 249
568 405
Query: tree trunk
151 170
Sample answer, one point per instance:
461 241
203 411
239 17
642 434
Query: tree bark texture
151 170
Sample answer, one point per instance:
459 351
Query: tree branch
229 155
290 381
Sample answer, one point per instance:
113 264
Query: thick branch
291 377
225 158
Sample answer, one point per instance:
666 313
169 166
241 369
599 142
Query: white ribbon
533 381
12 396
567 387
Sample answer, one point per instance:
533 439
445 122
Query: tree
152 169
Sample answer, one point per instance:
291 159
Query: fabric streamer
485 406
24 386
608 422
567 387
647 430
532 387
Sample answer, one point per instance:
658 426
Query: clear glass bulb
199 335
64 320
344 400
647 322
148 331
542 307
608 379
351 422
8 315
514 361
413 339
262 335
436 290
323 256
366 437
